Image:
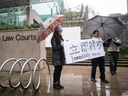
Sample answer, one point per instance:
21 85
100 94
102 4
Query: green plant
124 49
26 25
105 49
11 27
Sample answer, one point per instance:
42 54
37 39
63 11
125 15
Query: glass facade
44 10
13 16
17 15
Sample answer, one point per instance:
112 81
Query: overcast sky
104 7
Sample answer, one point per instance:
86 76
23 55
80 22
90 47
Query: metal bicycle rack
32 76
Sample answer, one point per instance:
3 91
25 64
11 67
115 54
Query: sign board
80 50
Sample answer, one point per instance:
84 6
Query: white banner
80 50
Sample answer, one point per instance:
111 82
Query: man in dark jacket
113 51
57 56
96 61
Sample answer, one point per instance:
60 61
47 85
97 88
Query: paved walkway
76 82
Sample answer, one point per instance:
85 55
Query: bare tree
77 15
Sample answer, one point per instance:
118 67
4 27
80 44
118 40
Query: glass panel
3 16
13 16
17 15
43 10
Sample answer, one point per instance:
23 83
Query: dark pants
113 58
57 73
95 62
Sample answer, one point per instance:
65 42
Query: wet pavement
76 81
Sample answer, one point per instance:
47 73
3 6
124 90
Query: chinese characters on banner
80 50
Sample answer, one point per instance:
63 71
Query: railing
32 76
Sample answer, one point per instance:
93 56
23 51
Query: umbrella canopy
48 27
109 27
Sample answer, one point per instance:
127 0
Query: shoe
112 73
104 80
56 86
93 79
60 86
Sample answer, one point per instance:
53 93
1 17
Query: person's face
115 38
60 32
96 34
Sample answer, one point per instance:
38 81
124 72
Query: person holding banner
57 56
96 61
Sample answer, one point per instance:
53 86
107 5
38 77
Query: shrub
124 49
34 25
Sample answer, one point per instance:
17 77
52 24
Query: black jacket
57 51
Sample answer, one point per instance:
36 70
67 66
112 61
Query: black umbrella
109 27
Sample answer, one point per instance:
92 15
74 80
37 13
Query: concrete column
31 16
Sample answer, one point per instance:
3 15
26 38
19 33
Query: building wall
20 44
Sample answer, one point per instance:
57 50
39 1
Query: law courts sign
19 37
20 43
80 50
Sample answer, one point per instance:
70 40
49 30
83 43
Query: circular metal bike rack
11 59
31 75
22 59
38 85
21 74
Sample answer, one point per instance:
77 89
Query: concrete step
83 62
89 64
122 61
48 55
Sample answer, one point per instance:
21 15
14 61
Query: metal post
8 17
18 15
0 18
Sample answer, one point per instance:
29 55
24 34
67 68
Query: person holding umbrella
96 61
113 51
57 56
